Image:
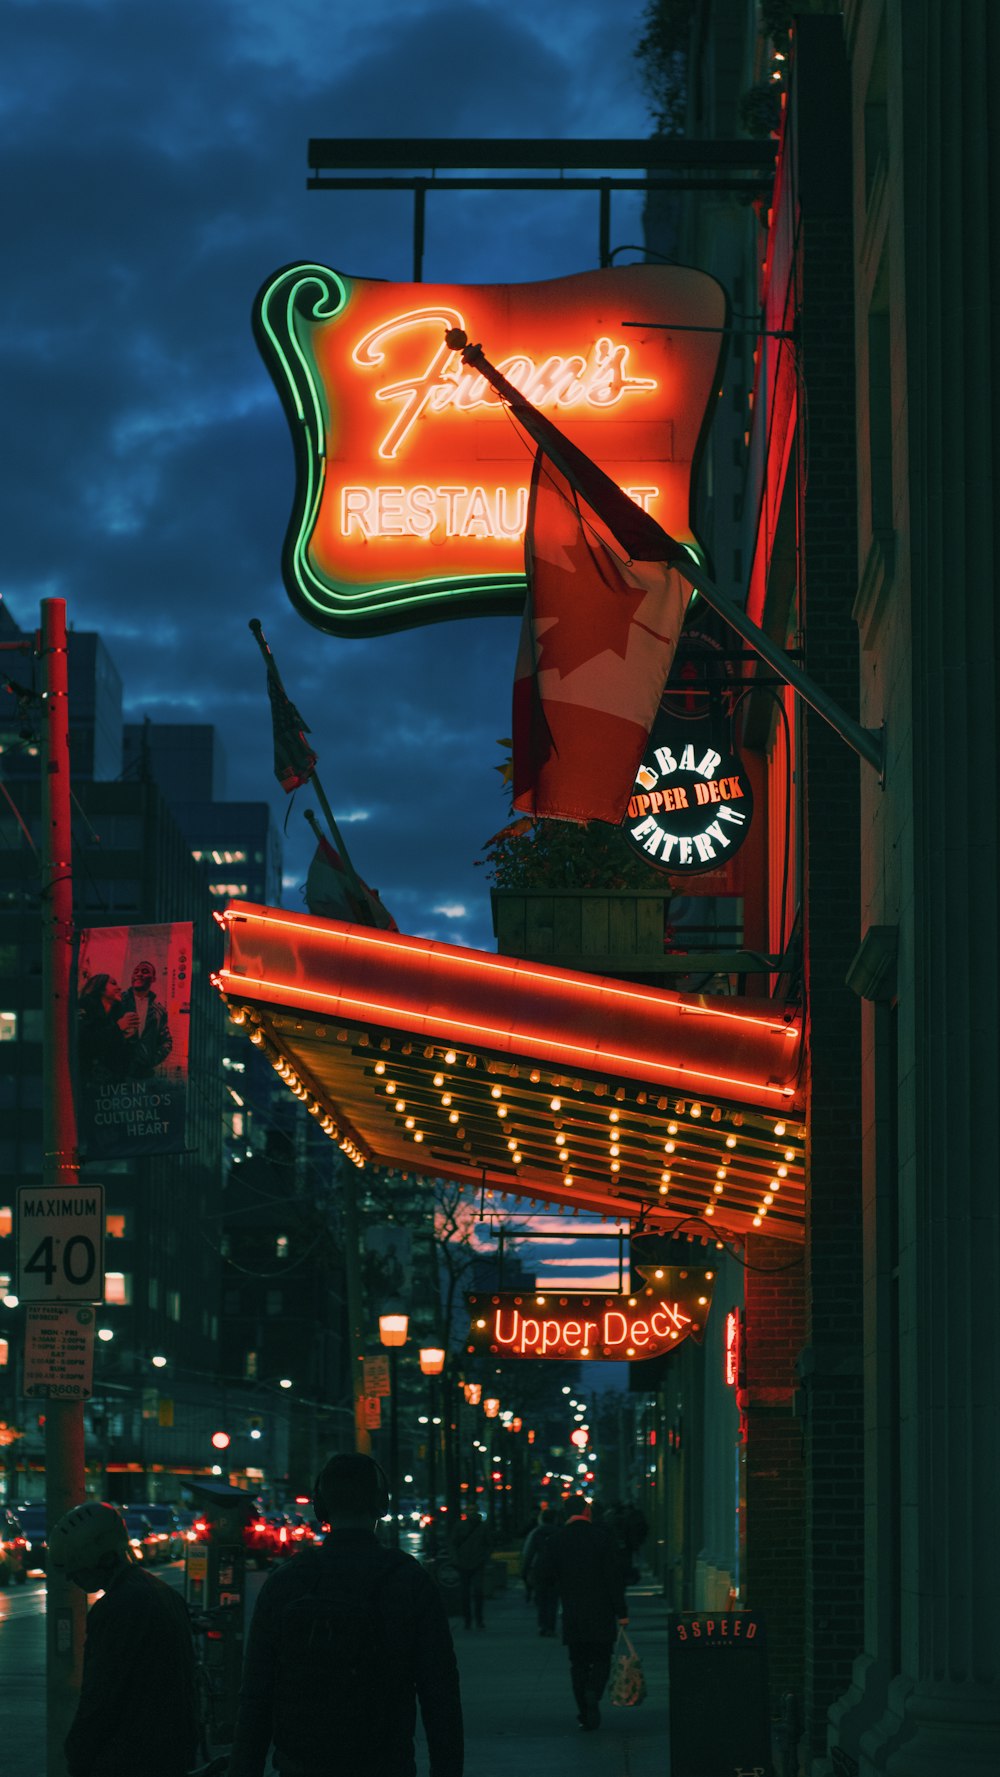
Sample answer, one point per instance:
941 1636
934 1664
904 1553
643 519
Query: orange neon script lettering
600 380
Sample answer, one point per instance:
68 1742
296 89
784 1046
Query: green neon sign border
284 314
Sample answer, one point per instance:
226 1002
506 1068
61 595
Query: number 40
79 1260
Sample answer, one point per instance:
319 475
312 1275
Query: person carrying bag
628 1681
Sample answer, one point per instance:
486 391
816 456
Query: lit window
237 1125
281 1247
174 1304
8 1027
6 1220
118 1288
4 1354
116 1226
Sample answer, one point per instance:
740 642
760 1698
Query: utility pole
355 1306
65 1604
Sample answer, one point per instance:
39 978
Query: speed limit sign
60 1243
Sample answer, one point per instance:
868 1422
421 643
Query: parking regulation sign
60 1243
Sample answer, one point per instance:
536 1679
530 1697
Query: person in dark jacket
540 1584
300 1693
138 1651
582 1561
142 1018
470 1551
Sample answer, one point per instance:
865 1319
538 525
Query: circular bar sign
692 804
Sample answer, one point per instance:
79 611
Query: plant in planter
545 854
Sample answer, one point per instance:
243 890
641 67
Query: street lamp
393 1326
431 1363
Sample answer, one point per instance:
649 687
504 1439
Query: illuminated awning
522 1078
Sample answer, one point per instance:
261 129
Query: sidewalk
520 1717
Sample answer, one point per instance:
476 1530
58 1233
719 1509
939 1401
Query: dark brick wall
775 1322
831 1361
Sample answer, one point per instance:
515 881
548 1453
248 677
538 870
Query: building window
281 1247
174 1304
116 1225
237 1125
118 1288
6 1220
8 1027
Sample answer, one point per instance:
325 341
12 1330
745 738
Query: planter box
601 930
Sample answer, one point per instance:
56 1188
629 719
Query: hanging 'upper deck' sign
692 802
412 481
670 1306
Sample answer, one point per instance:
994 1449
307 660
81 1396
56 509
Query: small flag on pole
604 611
294 759
331 894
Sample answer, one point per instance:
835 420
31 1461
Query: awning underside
570 1089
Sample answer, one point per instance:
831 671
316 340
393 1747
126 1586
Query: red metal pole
66 1606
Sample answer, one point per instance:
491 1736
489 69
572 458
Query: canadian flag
597 641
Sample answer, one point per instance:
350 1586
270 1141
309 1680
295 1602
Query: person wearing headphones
344 1642
138 1650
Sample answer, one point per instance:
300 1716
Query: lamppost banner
133 1023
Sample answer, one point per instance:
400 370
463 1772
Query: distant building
133 863
236 843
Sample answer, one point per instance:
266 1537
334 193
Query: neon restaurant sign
411 488
672 1305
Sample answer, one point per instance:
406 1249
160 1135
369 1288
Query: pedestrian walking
539 1583
344 1642
470 1551
138 1651
582 1561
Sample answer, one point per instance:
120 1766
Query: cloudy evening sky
155 173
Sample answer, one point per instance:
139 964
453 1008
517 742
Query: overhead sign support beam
668 163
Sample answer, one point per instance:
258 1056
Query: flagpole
868 743
638 532
302 769
345 855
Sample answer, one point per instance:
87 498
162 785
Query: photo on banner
133 1025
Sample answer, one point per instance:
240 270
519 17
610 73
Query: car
193 1527
283 1542
260 1540
13 1549
300 1530
145 1543
166 1524
31 1517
